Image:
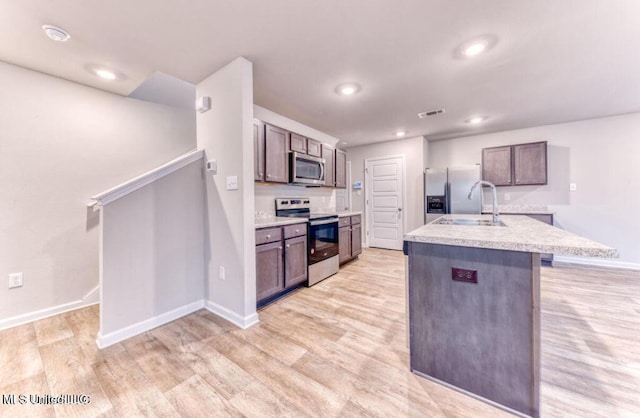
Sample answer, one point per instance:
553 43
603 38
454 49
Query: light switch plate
573 187
15 280
232 183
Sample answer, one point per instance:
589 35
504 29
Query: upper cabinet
272 146
276 152
496 165
328 153
341 169
313 147
530 163
515 165
258 150
298 143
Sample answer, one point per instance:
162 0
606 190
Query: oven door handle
326 221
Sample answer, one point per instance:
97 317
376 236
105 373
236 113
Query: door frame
367 193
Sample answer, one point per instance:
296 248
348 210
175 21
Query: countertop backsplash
322 199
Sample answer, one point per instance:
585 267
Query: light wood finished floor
336 349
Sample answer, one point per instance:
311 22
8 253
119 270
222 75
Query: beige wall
153 254
60 143
413 151
599 155
225 133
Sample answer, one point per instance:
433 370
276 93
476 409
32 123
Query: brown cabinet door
530 163
295 261
269 272
258 150
496 165
313 147
344 244
341 169
356 240
329 165
276 167
298 143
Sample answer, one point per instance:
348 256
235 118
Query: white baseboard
92 297
143 326
14 321
595 262
243 322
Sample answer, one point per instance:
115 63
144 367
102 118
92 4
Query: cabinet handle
268 175
268 236
280 248
297 230
288 245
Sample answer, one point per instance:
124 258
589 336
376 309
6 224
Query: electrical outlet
222 273
507 197
573 187
15 280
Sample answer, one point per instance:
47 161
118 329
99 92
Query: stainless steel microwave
306 170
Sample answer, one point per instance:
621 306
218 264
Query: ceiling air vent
431 113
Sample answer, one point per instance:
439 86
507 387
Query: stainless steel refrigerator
446 190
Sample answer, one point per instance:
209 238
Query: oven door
306 169
323 240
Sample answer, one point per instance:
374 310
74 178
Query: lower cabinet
349 238
269 271
281 260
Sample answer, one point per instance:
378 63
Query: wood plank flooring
334 350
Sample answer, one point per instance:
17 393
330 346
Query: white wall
153 255
412 149
600 155
283 122
61 142
226 134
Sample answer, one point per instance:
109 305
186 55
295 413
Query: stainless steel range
322 236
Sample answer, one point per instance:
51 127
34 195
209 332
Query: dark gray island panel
480 337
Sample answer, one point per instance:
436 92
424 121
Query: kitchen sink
467 222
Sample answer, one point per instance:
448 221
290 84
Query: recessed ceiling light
400 134
106 74
55 33
474 49
476 120
347 89
476 46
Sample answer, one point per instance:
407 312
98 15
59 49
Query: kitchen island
474 304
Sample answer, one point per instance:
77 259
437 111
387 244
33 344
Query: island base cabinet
482 337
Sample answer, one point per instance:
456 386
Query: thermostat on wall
357 185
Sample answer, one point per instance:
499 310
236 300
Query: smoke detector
431 113
55 33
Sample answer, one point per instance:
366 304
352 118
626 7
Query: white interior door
385 202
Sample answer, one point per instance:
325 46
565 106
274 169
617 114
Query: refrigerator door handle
447 197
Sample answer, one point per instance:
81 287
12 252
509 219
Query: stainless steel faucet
496 215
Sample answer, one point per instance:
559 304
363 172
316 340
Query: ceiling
551 61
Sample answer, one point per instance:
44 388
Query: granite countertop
524 209
348 213
267 221
520 233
